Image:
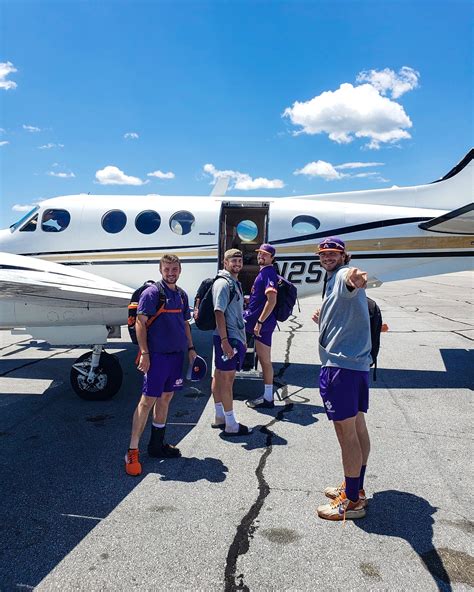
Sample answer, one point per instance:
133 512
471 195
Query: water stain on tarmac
162 509
458 566
282 536
466 526
368 569
98 419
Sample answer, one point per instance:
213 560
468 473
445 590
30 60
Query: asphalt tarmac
240 514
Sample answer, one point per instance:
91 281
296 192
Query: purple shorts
344 392
236 362
265 338
165 374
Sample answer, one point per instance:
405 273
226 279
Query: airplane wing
460 221
41 282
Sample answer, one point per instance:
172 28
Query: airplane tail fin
450 193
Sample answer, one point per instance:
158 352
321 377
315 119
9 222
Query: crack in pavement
248 525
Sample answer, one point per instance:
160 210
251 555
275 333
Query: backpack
133 307
375 318
204 316
287 295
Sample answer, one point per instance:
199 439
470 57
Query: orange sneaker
334 492
132 462
341 508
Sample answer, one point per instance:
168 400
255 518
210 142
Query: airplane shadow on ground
459 373
410 517
62 463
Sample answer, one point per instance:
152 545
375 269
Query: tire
108 380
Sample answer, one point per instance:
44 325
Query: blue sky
287 97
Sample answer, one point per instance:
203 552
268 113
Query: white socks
158 425
219 410
231 423
268 393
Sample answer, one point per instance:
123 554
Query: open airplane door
244 226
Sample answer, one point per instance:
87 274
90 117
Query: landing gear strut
96 375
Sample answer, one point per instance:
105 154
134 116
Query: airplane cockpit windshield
25 218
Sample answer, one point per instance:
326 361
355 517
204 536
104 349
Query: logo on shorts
329 406
178 382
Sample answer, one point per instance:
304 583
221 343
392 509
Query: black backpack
204 316
133 307
287 295
375 318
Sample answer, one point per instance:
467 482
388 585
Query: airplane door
243 226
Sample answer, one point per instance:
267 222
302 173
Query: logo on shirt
272 284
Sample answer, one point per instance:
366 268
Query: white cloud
2 131
243 181
329 172
358 111
387 80
4 143
22 207
357 165
131 136
320 168
31 128
7 68
160 175
112 175
69 175
50 145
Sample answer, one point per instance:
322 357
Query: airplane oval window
182 222
148 222
305 224
55 220
114 221
247 230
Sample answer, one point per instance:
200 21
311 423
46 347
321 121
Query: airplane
69 266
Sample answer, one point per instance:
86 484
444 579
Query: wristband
224 338
192 348
144 354
259 322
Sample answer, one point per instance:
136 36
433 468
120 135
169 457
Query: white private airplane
70 265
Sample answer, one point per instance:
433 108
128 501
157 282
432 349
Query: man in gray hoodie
344 350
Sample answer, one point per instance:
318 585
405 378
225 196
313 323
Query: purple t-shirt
265 282
167 333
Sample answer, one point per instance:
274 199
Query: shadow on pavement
190 470
62 461
459 373
409 517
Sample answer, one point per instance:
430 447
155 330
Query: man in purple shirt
260 320
162 348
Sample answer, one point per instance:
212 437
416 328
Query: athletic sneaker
164 451
341 508
260 403
334 492
132 462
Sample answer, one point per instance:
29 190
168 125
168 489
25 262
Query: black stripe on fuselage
349 229
126 250
292 258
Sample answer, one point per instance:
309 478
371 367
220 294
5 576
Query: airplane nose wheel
96 375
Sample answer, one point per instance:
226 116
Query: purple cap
332 243
197 370
267 248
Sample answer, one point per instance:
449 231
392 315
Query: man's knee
345 426
147 402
